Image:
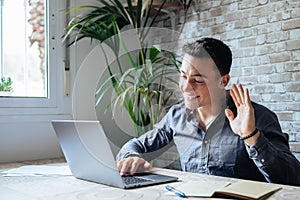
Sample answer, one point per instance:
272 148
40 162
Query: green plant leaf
154 51
125 75
149 66
99 99
140 87
138 77
105 83
6 84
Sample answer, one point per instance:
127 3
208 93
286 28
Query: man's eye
183 76
199 81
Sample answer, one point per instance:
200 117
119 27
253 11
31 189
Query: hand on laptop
132 165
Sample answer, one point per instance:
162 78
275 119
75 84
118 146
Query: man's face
199 81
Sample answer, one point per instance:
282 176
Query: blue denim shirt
219 151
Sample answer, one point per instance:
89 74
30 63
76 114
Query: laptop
89 156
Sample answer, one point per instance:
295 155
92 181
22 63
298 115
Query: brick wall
264 36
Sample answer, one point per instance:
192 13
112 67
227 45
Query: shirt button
253 152
262 160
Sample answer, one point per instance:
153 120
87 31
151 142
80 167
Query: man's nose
187 86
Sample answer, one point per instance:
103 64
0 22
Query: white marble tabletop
70 188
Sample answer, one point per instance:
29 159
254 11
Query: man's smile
190 97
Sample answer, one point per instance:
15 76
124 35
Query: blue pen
177 192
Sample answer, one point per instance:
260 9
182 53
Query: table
70 188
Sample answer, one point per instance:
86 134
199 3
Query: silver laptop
90 158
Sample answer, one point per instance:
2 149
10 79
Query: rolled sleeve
276 163
131 148
156 141
260 153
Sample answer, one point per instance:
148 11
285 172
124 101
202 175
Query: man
215 131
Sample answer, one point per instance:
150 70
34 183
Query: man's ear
225 80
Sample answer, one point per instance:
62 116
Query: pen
177 192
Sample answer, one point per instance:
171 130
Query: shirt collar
191 114
228 103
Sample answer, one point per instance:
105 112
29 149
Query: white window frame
57 102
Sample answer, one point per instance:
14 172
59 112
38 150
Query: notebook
89 156
242 189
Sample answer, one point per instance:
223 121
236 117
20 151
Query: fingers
247 98
147 166
124 165
234 95
132 165
239 95
135 165
229 114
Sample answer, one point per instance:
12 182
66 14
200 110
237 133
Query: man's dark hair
218 51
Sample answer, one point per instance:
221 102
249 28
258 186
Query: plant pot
5 93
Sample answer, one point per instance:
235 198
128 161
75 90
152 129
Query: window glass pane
23 47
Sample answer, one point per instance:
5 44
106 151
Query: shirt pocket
220 164
222 156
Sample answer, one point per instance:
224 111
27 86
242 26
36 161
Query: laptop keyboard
129 180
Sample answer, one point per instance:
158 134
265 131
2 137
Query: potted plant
6 86
140 87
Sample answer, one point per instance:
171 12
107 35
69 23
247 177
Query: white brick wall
264 36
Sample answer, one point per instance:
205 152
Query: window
25 116
32 54
23 47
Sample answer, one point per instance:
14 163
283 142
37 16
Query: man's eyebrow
197 74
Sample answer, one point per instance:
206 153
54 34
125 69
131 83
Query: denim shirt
219 151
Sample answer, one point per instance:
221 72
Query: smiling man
215 131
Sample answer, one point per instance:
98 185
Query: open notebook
242 189
89 156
